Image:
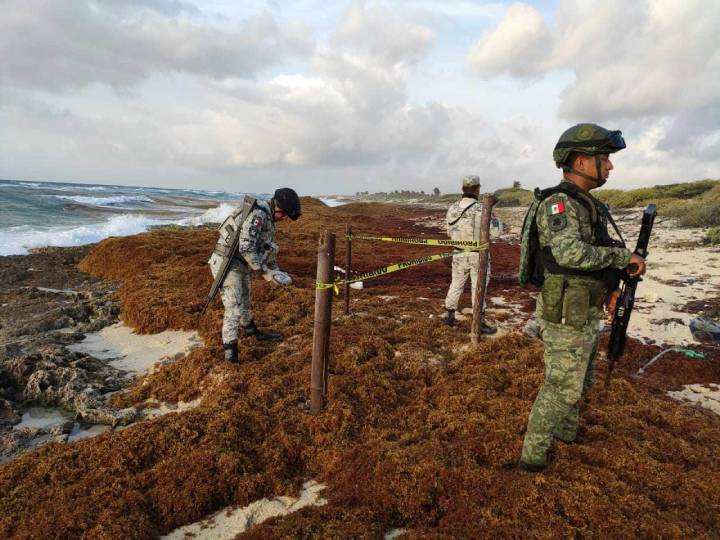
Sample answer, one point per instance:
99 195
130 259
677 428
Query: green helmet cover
589 139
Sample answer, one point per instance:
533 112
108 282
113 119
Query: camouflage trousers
569 374
464 265
235 295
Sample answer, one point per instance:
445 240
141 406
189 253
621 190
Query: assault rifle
624 306
233 240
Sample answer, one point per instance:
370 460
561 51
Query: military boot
252 330
450 318
231 352
486 328
529 467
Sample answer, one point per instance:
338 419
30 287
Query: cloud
517 46
630 58
61 46
645 63
351 110
346 116
171 8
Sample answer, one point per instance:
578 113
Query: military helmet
287 200
589 139
471 181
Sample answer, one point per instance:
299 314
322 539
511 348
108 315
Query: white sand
157 408
228 523
136 353
707 396
697 272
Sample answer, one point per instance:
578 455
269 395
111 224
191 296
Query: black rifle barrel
624 307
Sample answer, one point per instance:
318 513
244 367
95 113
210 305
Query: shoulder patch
557 222
556 207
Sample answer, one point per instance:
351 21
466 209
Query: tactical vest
535 261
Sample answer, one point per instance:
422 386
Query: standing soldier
256 251
463 220
566 247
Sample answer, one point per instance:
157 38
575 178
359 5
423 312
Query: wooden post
481 284
323 321
348 264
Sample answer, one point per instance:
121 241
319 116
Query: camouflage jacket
463 228
564 224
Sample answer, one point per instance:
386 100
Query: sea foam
213 215
19 240
104 201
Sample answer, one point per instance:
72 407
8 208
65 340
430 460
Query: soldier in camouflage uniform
577 257
257 252
463 220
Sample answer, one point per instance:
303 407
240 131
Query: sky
347 96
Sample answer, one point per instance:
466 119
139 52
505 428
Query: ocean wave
91 188
19 240
104 201
213 215
19 185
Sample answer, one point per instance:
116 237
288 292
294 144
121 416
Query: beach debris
355 284
704 329
532 328
689 353
650 297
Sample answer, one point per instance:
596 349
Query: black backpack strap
468 207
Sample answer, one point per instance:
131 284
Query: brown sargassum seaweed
421 431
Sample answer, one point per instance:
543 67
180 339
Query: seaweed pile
421 431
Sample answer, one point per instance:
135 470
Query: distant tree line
398 194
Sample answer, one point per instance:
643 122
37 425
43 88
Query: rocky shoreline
46 305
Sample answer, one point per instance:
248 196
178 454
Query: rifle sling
468 207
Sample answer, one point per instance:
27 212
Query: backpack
531 268
534 261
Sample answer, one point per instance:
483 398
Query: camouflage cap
471 180
589 139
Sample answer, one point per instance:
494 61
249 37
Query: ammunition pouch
564 302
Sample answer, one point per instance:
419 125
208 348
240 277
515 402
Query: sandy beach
420 431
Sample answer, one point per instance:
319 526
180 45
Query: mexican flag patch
557 208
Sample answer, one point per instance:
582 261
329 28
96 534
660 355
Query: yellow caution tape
467 245
383 270
334 286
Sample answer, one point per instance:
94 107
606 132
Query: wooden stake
323 321
481 284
